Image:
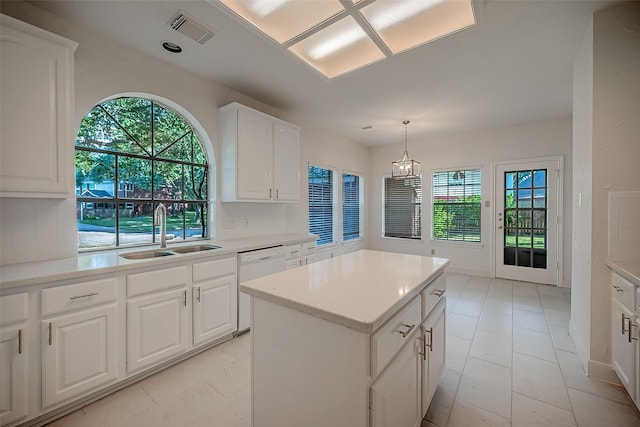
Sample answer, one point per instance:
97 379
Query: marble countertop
108 261
630 270
360 290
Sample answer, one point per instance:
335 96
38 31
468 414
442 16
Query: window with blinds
321 204
456 205
403 208
350 207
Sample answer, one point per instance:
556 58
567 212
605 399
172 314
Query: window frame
418 223
122 203
457 242
360 177
334 204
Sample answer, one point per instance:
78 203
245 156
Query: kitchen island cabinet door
433 362
156 327
14 373
80 353
395 395
623 355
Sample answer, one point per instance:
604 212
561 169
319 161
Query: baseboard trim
603 372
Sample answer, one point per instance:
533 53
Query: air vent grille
191 28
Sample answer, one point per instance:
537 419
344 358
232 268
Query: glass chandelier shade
407 167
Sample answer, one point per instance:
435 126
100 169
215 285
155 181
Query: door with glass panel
527 221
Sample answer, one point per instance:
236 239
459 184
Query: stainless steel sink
167 252
194 248
146 254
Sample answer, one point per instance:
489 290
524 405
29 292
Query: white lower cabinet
624 334
395 395
14 358
156 328
433 354
80 353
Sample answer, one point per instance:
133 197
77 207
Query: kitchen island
356 340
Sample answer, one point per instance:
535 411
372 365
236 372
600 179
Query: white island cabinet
352 341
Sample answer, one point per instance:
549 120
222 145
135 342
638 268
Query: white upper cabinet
36 136
260 156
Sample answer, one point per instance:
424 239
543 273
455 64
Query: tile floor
510 362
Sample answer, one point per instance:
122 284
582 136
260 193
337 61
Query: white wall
103 69
606 157
479 148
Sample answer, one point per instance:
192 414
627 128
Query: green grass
525 242
144 224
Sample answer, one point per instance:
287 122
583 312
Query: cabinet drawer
433 294
292 251
623 290
216 268
79 295
158 280
390 337
292 263
309 248
14 308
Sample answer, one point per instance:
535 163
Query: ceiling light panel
407 24
284 19
338 48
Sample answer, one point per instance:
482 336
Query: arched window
131 155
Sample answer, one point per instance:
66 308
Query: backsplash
36 229
624 225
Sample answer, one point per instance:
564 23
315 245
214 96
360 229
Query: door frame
559 160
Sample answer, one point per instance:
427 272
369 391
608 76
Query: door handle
19 341
430 345
50 334
624 319
631 339
409 329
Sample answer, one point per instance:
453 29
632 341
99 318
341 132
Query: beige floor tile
549 290
442 401
557 317
461 326
457 350
468 307
117 408
74 419
492 347
530 320
496 322
464 414
527 303
561 338
487 386
533 343
593 411
526 290
557 302
426 423
493 305
539 379
575 378
527 412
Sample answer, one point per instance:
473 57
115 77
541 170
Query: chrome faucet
161 217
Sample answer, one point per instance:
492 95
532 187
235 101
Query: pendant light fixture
405 168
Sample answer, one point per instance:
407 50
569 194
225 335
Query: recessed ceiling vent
191 28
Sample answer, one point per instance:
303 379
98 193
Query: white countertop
359 290
630 270
108 261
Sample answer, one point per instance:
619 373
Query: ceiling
513 66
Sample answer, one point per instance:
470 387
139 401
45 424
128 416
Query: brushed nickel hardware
269 193
499 227
631 339
430 345
185 298
618 288
19 341
424 347
277 195
92 294
438 292
50 334
408 331
624 319
198 294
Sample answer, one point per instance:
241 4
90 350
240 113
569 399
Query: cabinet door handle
624 319
408 331
617 288
92 294
424 347
430 345
631 339
438 292
198 294
50 333
19 341
277 194
269 193
185 298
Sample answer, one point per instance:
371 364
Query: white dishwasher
252 265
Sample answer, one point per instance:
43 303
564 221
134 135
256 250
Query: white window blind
321 204
350 206
403 208
456 205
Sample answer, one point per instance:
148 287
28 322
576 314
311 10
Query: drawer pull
631 339
624 319
423 353
198 294
50 334
438 292
430 345
19 341
185 298
92 294
618 288
408 331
